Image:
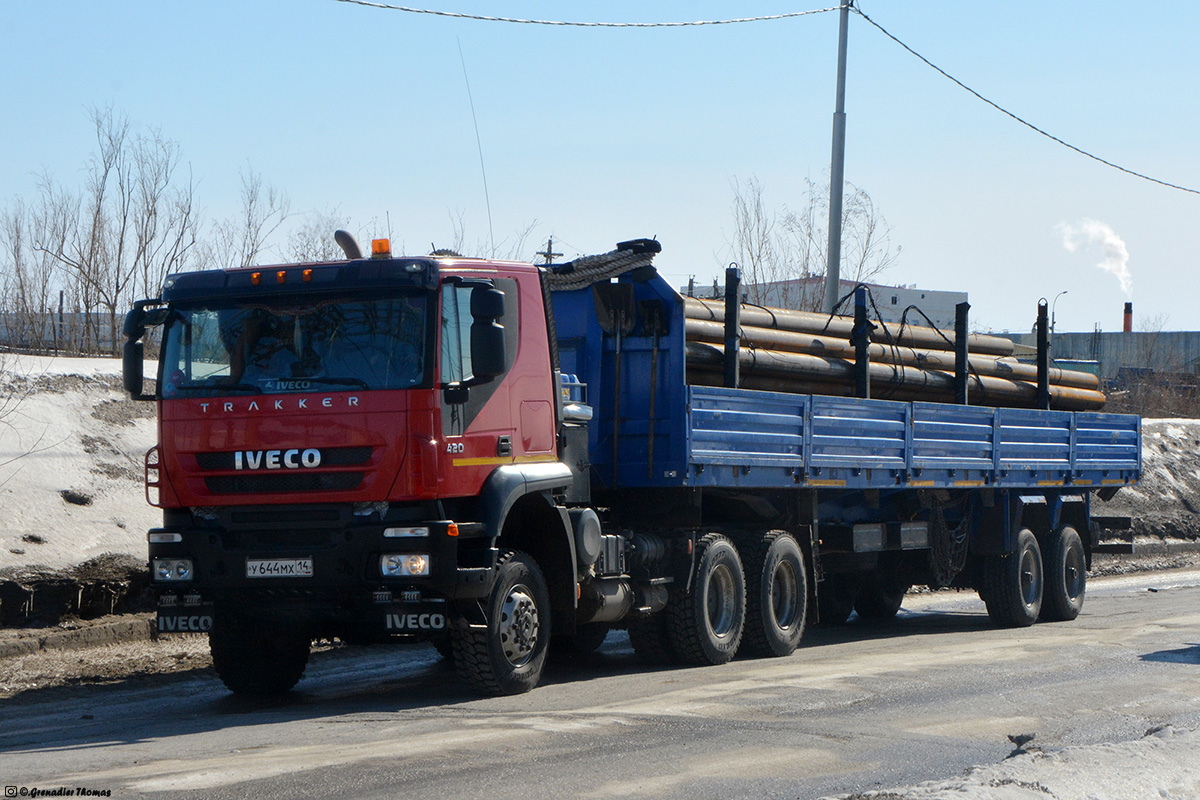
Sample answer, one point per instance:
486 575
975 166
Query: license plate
279 568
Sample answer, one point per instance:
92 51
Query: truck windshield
256 348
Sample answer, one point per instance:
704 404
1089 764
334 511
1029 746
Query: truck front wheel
1066 576
507 656
776 595
1013 584
706 620
255 658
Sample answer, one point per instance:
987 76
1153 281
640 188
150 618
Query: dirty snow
1163 765
71 449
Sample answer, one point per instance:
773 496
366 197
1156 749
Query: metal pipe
841 327
699 330
815 375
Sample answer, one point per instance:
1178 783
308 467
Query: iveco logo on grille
276 459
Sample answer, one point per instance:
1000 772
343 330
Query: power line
567 24
1010 114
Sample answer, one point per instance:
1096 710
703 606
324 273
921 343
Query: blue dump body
671 434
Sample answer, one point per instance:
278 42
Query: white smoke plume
1089 232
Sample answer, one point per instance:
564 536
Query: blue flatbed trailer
875 491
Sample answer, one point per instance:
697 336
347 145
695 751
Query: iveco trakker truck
492 456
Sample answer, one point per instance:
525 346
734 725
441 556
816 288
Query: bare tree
132 222
783 254
313 240
240 240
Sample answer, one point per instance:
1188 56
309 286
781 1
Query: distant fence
74 333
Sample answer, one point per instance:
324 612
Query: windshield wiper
248 388
359 382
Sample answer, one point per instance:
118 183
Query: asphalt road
856 708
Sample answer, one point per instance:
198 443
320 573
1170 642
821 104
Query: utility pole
549 253
833 260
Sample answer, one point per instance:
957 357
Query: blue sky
601 135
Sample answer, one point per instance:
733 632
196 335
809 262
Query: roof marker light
255 278
281 276
307 275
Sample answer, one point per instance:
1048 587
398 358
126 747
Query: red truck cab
340 445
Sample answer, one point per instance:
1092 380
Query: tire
508 655
879 599
776 596
1014 583
835 599
648 636
256 658
1066 576
587 638
705 622
444 647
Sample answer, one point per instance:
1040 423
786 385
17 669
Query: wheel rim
1031 577
784 596
519 625
721 601
1074 573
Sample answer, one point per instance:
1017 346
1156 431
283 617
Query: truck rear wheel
1066 576
880 598
776 596
1013 584
835 598
254 658
705 622
508 655
648 636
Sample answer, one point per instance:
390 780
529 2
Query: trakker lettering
283 404
276 459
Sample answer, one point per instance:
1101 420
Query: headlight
173 569
412 565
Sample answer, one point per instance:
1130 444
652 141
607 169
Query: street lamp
1052 305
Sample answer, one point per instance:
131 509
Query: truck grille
267 484
330 457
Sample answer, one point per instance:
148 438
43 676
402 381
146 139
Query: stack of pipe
804 352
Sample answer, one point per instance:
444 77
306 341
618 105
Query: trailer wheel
648 636
705 622
507 656
776 596
587 638
879 599
1066 576
254 658
1013 584
835 599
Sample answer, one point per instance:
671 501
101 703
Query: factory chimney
1129 317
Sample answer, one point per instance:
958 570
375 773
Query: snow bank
1164 765
71 449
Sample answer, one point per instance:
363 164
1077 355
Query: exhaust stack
1129 317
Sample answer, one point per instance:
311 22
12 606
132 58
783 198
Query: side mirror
135 323
487 302
489 358
131 370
